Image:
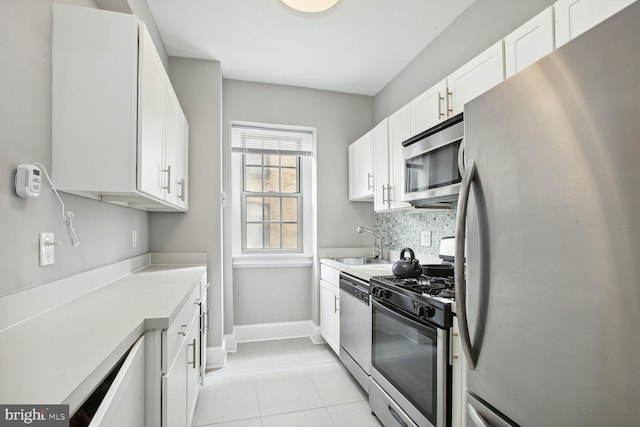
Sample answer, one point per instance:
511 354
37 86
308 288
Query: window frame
273 194
308 190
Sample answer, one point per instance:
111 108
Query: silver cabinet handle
185 331
369 181
384 187
168 172
193 363
476 417
440 102
335 304
449 102
181 194
459 278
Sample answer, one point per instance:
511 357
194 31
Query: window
273 165
271 203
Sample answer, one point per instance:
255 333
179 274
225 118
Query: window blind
247 139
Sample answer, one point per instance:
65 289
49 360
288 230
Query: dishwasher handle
355 287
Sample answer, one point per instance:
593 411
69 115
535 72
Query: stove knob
385 294
425 311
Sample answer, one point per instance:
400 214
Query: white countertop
46 358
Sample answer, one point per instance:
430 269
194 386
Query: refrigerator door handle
476 417
461 157
459 267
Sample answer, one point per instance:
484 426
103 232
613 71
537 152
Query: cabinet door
151 103
330 315
361 168
193 365
399 131
174 393
124 403
574 17
429 108
381 166
458 379
174 166
529 43
476 77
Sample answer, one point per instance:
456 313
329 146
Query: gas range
427 298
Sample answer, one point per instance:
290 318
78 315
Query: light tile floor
286 383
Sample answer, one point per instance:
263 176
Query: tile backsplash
404 228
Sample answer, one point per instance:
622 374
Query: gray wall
198 85
339 119
25 137
478 27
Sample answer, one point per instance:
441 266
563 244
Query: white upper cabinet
118 131
429 108
574 17
361 168
529 43
474 78
388 160
381 166
399 131
447 98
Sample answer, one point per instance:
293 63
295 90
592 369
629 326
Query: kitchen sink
360 260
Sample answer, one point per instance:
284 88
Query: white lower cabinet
330 315
330 306
124 403
182 381
458 379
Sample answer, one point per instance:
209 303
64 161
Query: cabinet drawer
330 275
179 329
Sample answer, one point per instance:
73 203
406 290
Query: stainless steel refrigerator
552 225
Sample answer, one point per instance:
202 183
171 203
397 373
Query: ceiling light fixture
310 6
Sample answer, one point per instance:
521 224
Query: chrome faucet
377 244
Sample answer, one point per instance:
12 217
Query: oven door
409 362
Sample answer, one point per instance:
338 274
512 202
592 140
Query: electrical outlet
47 245
425 238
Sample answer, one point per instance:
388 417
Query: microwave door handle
477 419
459 267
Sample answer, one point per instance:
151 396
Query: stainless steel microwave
433 164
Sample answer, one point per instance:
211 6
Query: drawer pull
193 362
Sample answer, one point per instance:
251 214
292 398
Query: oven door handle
459 268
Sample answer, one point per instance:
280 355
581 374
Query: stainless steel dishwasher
355 328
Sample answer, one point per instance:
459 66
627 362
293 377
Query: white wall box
530 42
574 17
330 306
361 168
118 133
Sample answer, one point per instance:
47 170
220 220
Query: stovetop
442 287
427 299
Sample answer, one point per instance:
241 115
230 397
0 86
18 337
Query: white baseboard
217 356
274 331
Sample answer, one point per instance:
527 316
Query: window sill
272 260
